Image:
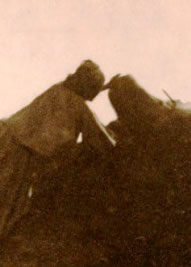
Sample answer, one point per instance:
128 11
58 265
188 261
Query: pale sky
44 40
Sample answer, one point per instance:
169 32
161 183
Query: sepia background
42 41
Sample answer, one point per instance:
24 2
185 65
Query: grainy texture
126 207
129 208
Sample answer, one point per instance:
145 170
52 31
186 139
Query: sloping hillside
127 208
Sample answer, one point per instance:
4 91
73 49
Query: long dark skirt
18 174
26 177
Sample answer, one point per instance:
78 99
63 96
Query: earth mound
130 207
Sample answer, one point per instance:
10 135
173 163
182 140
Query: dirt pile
128 208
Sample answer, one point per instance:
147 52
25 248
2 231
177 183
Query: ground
130 207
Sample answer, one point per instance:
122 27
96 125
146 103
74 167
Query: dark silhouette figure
133 104
33 140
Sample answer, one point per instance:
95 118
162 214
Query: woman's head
87 81
127 97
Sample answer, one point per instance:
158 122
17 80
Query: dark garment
37 142
16 181
53 121
23 177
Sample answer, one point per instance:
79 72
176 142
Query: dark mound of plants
131 207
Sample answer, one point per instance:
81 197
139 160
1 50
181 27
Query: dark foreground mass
129 208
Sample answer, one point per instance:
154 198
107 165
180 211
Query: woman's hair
133 104
87 80
127 96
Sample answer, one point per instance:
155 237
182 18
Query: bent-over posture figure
31 138
134 106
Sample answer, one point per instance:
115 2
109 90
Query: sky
41 42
